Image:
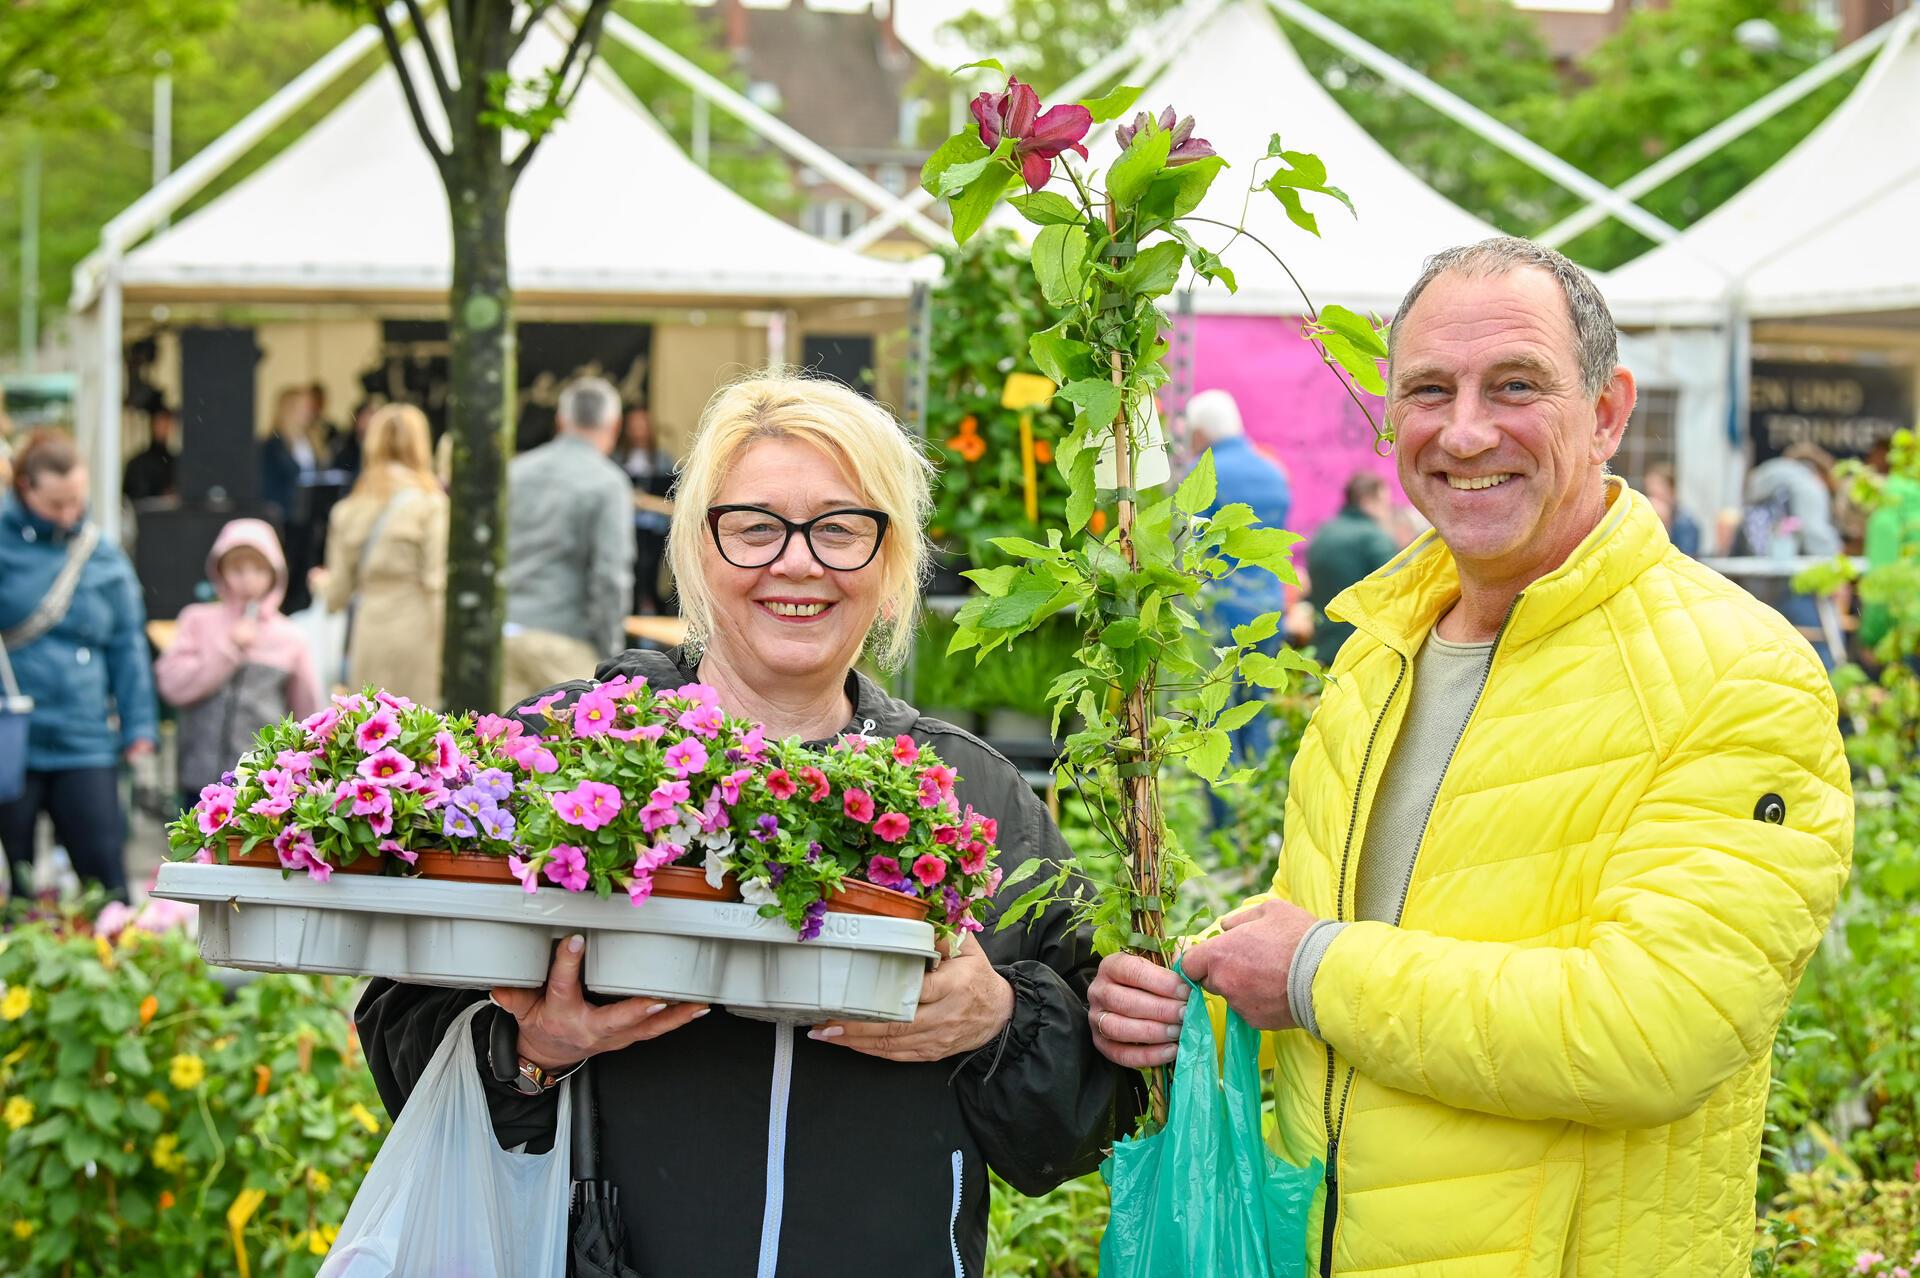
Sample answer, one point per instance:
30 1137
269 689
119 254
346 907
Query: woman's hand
559 1028
964 1004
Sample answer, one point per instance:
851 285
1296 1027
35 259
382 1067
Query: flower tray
860 967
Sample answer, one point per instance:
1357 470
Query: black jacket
880 1165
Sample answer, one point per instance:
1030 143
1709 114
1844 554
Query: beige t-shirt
1447 679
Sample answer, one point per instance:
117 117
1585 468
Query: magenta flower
906 749
387 765
296 850
277 782
699 694
393 701
381 823
594 715
780 785
930 796
368 797
730 785
530 754
947 835
857 804
447 759
885 871
380 727
1039 138
640 732
685 756
297 764
1184 149
540 706
490 726
929 869
391 848
974 859
817 781
589 805
754 745
713 814
351 702
215 808
662 806
528 872
640 886
892 827
321 723
702 721
941 775
568 867
274 805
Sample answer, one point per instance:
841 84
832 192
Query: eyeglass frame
880 517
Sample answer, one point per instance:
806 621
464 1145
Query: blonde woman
797 544
387 559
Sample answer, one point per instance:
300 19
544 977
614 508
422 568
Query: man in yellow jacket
1568 824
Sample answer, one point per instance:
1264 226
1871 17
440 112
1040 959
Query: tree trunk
481 385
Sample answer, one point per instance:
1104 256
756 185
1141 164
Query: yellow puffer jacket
1558 1062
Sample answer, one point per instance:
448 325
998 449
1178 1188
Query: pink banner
1294 408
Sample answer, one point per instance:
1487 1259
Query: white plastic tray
860 967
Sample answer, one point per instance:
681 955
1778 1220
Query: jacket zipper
953 1221
1330 1215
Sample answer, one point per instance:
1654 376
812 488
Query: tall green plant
1151 683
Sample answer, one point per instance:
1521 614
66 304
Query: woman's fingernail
702 1012
576 943
657 1007
822 1033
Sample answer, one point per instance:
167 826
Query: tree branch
585 39
392 40
439 73
535 12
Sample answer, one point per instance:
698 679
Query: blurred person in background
74 627
347 456
287 455
1345 549
1789 515
150 472
1682 529
235 665
387 560
651 471
569 546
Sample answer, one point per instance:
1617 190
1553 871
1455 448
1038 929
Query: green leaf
1114 103
984 64
1296 212
1080 496
1053 352
1269 548
1259 630
993 581
1210 754
1018 546
1355 345
1156 269
1047 208
130 1056
1302 171
1128 178
1234 718
1178 191
1097 398
1014 610
103 1111
957 177
962 148
1271 671
1123 633
1196 491
1060 263
972 205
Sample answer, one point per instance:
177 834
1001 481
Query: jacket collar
1400 603
27 526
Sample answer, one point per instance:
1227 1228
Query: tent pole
105 497
774 130
1752 115
1457 108
1159 36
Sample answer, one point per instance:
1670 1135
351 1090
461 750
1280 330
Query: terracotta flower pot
858 897
463 867
689 882
266 858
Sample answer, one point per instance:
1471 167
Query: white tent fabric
610 209
1242 81
1829 230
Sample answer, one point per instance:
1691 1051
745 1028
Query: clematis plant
1152 681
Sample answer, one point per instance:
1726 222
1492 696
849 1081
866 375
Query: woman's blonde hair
862 438
397 450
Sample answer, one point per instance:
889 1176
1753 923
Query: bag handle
585 1136
52 608
12 687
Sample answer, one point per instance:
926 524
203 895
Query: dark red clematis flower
1038 137
1186 148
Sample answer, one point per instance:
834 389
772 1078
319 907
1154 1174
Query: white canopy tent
610 215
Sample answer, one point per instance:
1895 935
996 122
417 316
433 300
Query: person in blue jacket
84 662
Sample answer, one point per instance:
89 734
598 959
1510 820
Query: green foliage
64 56
140 1105
1829 1223
1054 1236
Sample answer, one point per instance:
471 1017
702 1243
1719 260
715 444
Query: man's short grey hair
1594 333
1214 415
588 403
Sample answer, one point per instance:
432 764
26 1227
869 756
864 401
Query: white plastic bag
443 1200
326 636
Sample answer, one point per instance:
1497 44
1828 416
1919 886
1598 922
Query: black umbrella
597 1236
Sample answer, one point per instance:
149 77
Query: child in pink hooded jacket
238 664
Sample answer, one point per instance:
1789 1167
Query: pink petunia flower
530 754
662 807
540 707
351 702
974 859
277 782
754 744
857 804
930 796
929 869
297 764
393 700
730 785
528 872
447 759
368 797
640 886
885 871
380 727
391 848
817 780
273 805
699 694
941 775
589 805
702 721
892 827
780 785
662 853
685 756
215 808
906 749
297 851
568 867
595 714
385 766
713 814
321 723
490 726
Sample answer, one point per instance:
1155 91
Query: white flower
720 841
758 892
685 832
716 867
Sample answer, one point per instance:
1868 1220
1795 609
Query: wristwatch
508 1066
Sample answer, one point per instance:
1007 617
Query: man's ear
1611 413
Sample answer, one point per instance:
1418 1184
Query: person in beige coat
387 557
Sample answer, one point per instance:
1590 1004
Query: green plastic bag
1204 1197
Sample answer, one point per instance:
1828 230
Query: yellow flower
186 1071
103 949
322 1238
16 1002
362 1115
23 1229
166 1153
318 1180
158 1099
18 1114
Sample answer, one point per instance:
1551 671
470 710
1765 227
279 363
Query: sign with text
1844 408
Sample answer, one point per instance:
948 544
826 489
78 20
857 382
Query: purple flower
1184 149
1039 138
456 824
494 783
813 852
714 815
816 919
766 828
229 778
776 873
497 824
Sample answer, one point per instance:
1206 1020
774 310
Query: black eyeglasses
753 536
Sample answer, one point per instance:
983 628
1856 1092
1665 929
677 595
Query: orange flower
1042 451
148 1006
968 442
166 1199
262 1075
1098 523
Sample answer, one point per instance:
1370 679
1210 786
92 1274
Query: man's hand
1134 1008
559 1028
1248 963
964 1003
